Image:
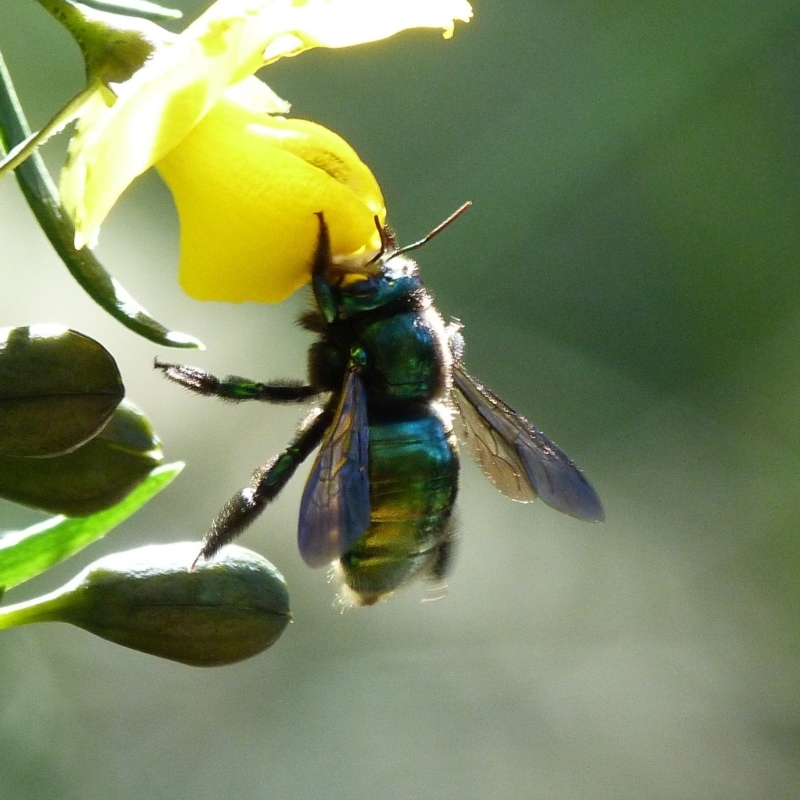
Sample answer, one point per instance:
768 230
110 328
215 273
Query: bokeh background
628 278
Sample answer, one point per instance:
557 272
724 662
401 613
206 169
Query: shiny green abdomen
413 471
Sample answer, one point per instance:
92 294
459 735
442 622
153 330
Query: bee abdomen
413 471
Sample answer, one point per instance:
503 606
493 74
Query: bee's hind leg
267 481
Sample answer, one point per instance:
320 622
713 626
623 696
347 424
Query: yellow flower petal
248 186
342 23
180 84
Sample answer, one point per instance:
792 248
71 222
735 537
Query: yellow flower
247 181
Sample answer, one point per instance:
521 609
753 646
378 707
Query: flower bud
147 599
91 478
58 388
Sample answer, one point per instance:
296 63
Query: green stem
42 196
26 148
139 8
41 609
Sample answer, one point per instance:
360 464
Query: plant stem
26 148
139 8
39 190
40 609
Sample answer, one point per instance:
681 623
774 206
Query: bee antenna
387 241
435 232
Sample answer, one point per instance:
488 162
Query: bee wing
516 457
335 509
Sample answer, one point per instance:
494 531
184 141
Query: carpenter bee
380 495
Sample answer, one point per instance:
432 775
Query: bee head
344 289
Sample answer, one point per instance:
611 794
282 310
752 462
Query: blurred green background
628 278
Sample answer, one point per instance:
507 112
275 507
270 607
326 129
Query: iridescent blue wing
335 509
516 457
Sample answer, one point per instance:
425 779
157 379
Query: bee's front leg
234 388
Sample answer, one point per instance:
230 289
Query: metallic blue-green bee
380 496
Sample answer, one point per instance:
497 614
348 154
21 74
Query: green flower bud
147 599
58 388
91 478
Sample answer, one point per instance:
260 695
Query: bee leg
267 481
442 562
234 388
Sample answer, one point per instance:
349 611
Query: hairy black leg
234 388
267 481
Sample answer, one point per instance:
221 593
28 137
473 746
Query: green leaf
44 201
24 554
58 388
91 478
